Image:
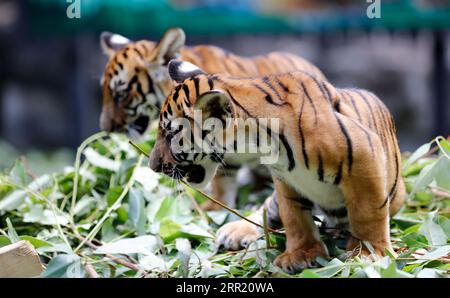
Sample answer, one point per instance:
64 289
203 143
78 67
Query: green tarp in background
153 17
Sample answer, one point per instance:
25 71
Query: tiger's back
135 81
213 59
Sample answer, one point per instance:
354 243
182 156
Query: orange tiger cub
136 82
338 151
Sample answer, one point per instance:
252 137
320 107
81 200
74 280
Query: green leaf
435 253
371 272
218 217
445 144
153 262
426 176
122 215
137 210
432 231
18 174
331 269
166 208
184 254
108 231
37 243
65 265
84 205
129 245
12 234
37 214
169 230
430 273
147 178
415 240
13 200
101 161
4 241
393 272
445 225
308 273
195 231
113 194
422 150
443 173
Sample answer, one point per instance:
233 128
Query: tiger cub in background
136 82
338 151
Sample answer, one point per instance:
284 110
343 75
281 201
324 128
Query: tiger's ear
111 42
179 71
214 103
170 46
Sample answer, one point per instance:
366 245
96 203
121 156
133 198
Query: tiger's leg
398 199
223 188
240 233
365 192
303 244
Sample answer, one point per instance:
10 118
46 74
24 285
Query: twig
440 192
198 208
77 166
27 168
210 198
266 231
90 270
111 257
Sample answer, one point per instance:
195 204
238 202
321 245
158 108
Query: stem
266 228
91 271
77 166
198 208
111 257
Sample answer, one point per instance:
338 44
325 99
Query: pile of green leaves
109 215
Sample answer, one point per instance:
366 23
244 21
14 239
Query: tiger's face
136 81
186 146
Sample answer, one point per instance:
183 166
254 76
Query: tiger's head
192 126
136 80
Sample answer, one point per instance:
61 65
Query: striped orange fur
339 151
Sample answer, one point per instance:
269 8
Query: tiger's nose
155 162
167 168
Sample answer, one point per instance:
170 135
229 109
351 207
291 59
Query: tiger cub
337 150
136 82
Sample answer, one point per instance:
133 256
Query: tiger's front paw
301 258
237 234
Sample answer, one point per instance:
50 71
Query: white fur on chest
306 183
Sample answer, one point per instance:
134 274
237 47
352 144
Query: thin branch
198 208
90 270
77 166
117 260
440 192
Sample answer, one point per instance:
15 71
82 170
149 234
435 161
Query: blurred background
51 64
